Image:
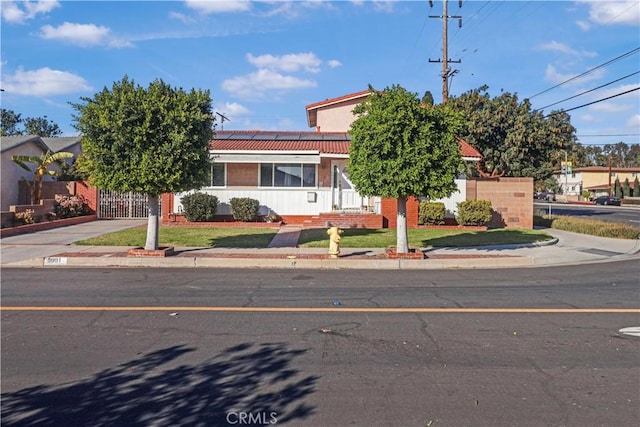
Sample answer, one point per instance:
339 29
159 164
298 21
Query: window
217 175
290 175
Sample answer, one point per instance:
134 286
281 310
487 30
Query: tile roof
323 142
356 95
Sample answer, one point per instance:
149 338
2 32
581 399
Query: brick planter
30 228
159 253
391 253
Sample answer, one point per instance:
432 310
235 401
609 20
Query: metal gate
112 204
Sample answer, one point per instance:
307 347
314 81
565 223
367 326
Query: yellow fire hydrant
334 241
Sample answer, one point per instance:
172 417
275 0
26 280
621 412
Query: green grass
422 237
588 226
222 237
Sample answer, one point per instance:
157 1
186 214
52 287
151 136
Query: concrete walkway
286 237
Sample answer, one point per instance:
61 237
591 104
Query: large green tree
402 148
514 139
150 140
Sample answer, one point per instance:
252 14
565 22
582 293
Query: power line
594 102
590 90
588 71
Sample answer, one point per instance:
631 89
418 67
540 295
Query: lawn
423 237
228 237
213 237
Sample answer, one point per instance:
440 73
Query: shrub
474 212
431 213
588 226
244 208
199 207
70 206
23 218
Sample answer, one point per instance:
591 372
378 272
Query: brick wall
389 209
511 200
242 174
89 193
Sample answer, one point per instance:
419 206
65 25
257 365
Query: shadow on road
255 378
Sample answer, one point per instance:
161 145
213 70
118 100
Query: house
299 176
597 180
29 145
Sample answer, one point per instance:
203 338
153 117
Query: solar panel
311 136
222 136
264 136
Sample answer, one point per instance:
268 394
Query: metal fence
112 204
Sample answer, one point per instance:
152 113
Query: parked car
545 195
607 200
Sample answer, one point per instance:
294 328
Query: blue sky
265 61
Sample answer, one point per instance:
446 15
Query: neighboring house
298 174
595 179
29 145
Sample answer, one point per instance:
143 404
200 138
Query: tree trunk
152 224
402 239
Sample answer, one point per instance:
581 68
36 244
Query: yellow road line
328 309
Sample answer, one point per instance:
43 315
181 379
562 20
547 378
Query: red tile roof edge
360 94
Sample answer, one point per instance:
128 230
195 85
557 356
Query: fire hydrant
334 241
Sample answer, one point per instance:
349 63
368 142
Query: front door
343 194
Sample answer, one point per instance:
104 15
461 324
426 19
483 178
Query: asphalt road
218 347
621 214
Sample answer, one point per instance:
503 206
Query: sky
265 61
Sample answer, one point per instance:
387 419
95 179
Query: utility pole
446 71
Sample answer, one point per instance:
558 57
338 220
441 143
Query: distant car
607 200
545 195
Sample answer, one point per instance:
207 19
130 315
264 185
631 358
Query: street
538 346
629 215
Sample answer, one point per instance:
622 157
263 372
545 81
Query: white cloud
614 12
44 82
181 17
78 34
256 84
584 26
217 6
83 35
563 48
385 6
333 63
634 122
17 13
554 76
232 109
290 63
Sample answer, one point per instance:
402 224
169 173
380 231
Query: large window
217 175
287 175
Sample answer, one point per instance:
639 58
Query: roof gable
11 142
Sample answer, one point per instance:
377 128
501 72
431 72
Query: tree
636 187
626 188
400 148
9 123
40 126
514 139
617 188
43 163
150 140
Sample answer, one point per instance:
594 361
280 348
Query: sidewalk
55 248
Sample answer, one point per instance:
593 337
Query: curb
326 264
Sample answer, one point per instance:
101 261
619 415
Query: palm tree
42 168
